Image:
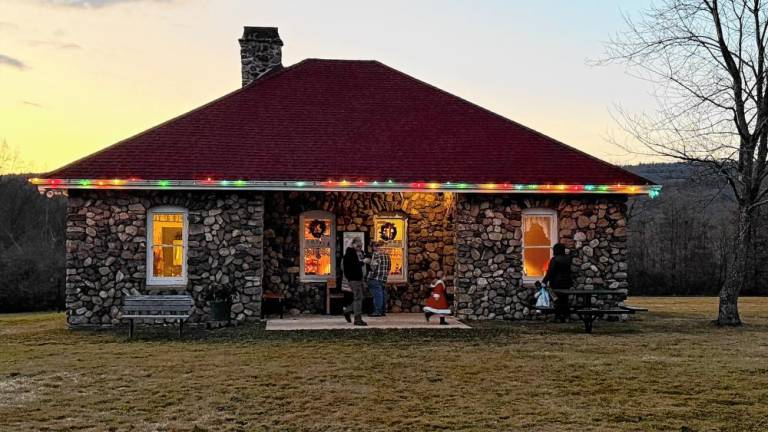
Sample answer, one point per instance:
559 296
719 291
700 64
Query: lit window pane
536 230
317 261
167 244
397 260
167 261
536 261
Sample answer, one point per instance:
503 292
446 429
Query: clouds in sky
91 3
32 104
53 44
7 26
11 62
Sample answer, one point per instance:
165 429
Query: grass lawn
666 370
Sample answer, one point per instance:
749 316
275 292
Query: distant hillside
679 243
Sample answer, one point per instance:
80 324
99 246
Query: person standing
559 278
381 264
352 266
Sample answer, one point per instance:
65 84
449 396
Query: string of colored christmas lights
359 185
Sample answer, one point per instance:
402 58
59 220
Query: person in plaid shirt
377 277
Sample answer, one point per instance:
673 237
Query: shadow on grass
488 332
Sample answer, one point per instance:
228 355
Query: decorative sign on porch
387 231
317 228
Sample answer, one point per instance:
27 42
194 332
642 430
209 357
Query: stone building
259 190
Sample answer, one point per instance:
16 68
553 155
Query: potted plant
220 298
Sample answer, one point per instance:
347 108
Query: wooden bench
633 308
332 293
588 313
273 296
173 307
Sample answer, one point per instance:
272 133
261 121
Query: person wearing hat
353 266
380 264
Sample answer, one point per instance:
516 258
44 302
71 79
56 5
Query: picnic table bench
586 312
173 307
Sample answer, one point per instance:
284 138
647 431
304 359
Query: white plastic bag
542 298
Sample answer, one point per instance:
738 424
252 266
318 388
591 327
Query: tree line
32 241
682 242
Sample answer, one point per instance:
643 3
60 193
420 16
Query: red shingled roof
340 119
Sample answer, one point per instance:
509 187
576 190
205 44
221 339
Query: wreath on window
387 231
317 228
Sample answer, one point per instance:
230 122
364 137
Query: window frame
404 277
151 278
317 214
553 238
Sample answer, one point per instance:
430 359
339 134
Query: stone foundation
430 241
489 270
107 242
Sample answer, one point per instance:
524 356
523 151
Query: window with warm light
167 246
393 231
539 235
317 243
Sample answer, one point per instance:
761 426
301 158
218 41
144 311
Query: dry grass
667 370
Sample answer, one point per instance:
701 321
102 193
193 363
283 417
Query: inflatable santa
437 303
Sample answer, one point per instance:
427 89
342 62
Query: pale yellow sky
76 76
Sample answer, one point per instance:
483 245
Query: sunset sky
76 76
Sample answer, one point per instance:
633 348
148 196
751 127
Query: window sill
315 280
178 287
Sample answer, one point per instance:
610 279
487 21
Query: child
437 302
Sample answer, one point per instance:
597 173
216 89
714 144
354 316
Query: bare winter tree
707 60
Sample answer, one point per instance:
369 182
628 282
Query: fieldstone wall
107 246
260 51
431 239
489 270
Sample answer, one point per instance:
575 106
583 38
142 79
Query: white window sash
330 243
403 245
554 236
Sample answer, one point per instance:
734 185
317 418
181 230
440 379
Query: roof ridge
264 78
547 137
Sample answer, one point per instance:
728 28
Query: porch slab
337 322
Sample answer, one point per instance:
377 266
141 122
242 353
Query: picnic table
588 313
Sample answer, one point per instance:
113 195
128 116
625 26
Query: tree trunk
736 273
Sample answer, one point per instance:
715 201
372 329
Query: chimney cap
252 33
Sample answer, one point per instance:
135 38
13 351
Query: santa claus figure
437 302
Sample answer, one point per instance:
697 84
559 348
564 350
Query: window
539 235
393 231
317 243
167 246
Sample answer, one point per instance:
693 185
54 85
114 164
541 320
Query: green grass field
670 369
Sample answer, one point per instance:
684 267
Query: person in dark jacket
353 271
559 278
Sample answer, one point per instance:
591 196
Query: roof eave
345 186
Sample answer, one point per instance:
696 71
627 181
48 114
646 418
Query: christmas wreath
317 228
387 231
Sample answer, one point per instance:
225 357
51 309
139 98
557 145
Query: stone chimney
260 52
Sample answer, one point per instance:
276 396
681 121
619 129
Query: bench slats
139 311
633 308
594 311
157 304
165 307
